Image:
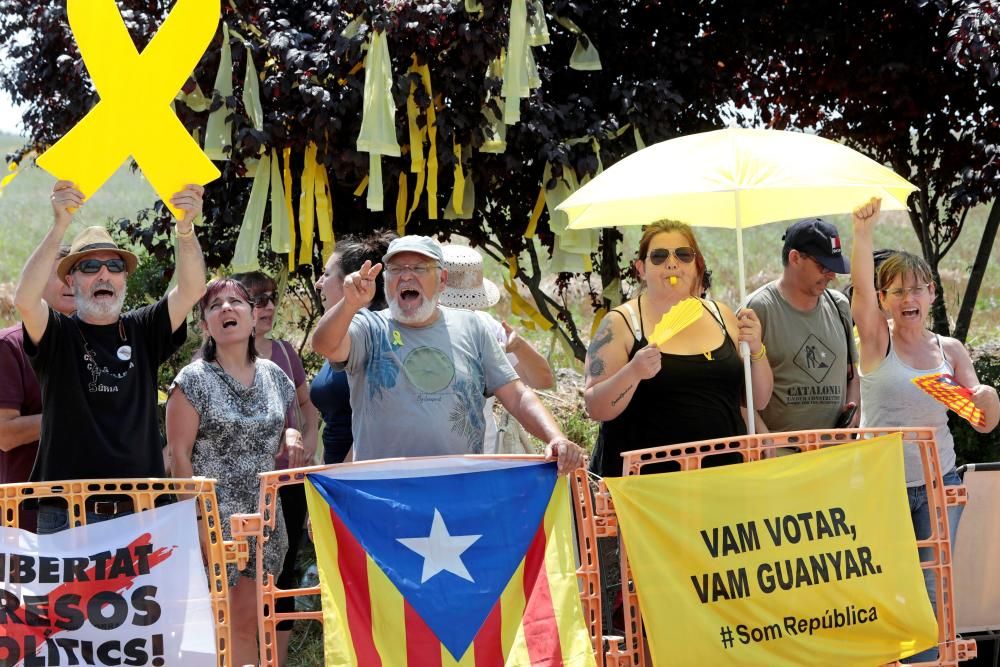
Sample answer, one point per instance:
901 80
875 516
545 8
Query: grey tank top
889 398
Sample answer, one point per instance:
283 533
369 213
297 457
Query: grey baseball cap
422 245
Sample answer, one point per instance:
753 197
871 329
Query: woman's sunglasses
94 265
683 254
260 300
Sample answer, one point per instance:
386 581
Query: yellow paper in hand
133 116
681 316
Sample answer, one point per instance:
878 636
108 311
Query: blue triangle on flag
504 507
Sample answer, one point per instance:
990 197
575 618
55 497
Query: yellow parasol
734 178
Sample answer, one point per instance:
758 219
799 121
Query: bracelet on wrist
184 235
760 355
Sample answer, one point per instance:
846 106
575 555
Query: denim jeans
921 517
52 519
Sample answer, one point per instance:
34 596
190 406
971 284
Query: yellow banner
807 559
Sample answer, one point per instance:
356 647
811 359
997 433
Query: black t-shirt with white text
99 394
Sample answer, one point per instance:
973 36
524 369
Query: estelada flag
946 390
807 559
445 561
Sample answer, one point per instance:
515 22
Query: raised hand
359 287
865 216
65 200
514 341
188 200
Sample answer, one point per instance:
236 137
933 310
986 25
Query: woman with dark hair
695 378
226 418
302 415
329 389
890 309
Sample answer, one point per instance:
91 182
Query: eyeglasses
818 263
420 270
260 300
916 290
94 265
684 254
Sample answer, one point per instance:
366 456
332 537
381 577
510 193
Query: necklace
229 380
124 353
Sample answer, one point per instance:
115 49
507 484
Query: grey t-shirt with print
808 353
420 391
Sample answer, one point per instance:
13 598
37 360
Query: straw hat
465 286
91 240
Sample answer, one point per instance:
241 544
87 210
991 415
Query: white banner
129 591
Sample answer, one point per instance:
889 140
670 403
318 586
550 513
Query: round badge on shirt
125 352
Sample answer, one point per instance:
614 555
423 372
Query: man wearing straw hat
468 289
97 369
419 373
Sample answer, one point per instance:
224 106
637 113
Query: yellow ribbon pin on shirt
133 116
397 340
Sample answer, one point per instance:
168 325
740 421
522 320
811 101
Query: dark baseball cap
820 240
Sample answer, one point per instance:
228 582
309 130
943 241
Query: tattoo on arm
621 396
602 338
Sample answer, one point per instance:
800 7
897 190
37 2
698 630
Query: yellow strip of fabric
529 233
358 191
432 158
286 177
468 660
512 642
514 69
324 211
375 189
458 193
279 219
14 170
560 568
248 241
388 619
524 309
417 136
307 205
401 216
598 317
218 130
337 645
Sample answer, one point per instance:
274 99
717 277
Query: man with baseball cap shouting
808 333
97 369
419 373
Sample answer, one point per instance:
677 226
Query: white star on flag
440 550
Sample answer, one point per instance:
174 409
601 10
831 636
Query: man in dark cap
808 333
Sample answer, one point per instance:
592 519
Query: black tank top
692 398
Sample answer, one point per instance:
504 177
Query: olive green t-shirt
808 353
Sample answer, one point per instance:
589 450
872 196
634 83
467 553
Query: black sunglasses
94 265
660 255
260 300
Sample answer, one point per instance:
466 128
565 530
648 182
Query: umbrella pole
744 346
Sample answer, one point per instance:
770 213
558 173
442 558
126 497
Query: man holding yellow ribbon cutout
97 369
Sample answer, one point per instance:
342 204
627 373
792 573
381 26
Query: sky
10 117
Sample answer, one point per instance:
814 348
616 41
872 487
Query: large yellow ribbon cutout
134 116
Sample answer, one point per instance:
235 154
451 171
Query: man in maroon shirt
20 397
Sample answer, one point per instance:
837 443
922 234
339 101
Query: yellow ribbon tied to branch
245 255
134 115
425 168
219 130
307 204
378 122
585 56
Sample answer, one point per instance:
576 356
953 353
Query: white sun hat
465 286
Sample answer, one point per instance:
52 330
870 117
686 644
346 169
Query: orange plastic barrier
144 494
692 455
246 525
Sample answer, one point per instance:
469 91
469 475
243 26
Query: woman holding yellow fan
665 367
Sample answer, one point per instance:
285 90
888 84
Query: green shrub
970 446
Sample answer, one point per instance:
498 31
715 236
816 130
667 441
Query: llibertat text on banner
804 559
129 591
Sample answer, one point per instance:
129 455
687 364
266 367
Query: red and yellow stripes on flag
368 623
